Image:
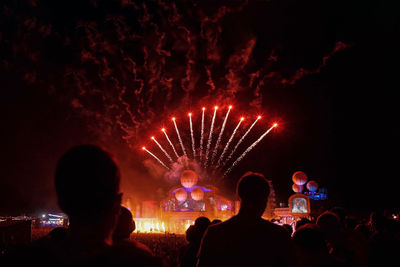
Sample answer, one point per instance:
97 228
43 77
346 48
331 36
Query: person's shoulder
274 228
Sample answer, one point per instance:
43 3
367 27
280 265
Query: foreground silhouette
87 185
246 239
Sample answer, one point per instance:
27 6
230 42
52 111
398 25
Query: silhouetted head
215 221
301 222
87 184
125 225
310 237
58 233
288 228
253 191
329 222
202 223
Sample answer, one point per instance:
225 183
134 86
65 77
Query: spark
191 134
241 139
162 149
154 156
169 141
250 148
220 135
210 135
179 137
202 134
229 142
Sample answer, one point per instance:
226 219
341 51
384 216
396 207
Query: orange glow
216 107
163 129
230 106
152 137
173 118
259 117
242 118
204 108
275 124
143 148
190 114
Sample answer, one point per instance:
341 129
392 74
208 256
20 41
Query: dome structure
197 194
297 188
181 194
189 178
312 186
299 178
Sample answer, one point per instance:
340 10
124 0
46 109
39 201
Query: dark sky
111 72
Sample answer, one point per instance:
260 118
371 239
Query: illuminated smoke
162 149
154 156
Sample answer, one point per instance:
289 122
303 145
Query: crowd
100 231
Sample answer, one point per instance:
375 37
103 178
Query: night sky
112 73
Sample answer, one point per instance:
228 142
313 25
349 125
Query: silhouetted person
215 221
58 233
87 185
288 228
311 247
247 239
301 222
194 235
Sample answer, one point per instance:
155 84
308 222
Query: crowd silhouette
87 182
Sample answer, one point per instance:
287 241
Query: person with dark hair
288 228
194 235
215 221
301 222
87 182
311 247
247 239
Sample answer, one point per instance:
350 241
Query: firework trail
169 141
202 135
228 143
191 134
220 136
179 137
249 149
210 136
241 140
162 149
154 156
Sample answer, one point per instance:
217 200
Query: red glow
242 118
163 129
190 114
216 107
259 117
275 124
230 106
143 148
152 137
204 108
173 118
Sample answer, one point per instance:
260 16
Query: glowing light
162 149
202 135
191 135
241 140
143 148
204 108
229 142
216 107
248 150
190 114
173 118
179 137
154 156
163 129
214 154
210 136
275 124
170 143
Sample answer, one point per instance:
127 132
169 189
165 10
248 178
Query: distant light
173 118
242 118
204 108
190 114
216 107
259 117
143 148
43 215
230 106
152 137
275 124
163 129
